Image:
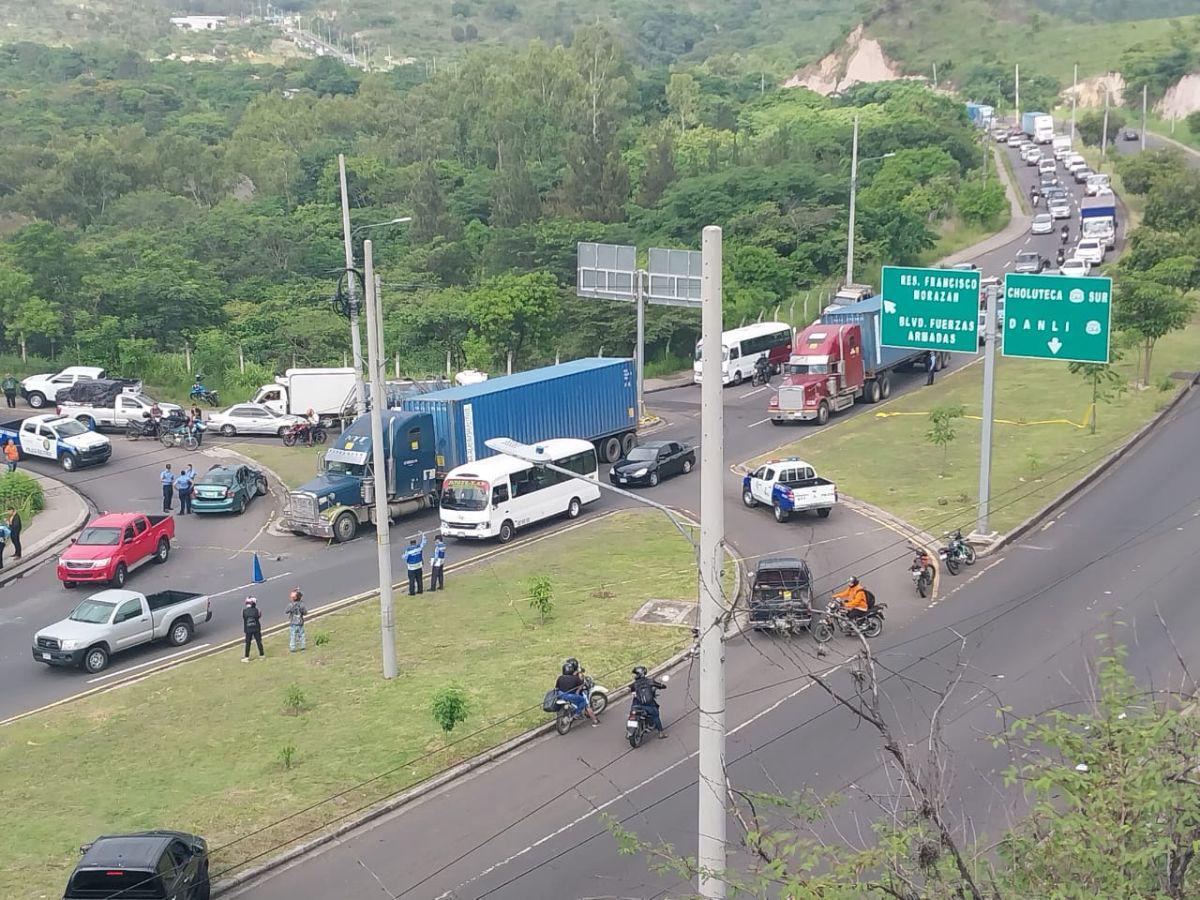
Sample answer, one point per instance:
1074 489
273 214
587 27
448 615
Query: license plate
915 574
632 723
45 656
787 595
622 479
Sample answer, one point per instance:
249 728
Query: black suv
149 865
782 591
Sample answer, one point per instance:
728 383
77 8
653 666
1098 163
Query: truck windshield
465 493
69 428
94 612
100 537
806 369
345 468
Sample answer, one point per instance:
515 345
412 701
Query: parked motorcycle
187 438
835 617
564 711
957 552
922 571
300 433
639 722
200 392
151 428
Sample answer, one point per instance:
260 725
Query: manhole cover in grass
666 612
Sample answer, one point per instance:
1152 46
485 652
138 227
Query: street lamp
400 221
853 197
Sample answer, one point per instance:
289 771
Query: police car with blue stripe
789 486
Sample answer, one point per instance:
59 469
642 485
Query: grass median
225 750
295 465
1041 442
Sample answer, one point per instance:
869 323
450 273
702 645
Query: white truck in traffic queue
71 443
116 620
329 393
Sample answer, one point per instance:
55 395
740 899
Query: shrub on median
23 493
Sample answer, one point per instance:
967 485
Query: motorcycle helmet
854 581
639 671
571 666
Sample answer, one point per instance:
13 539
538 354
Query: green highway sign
930 309
1057 317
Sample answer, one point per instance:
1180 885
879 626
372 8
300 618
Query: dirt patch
1181 99
860 60
1092 90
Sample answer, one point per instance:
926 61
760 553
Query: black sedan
1129 134
651 462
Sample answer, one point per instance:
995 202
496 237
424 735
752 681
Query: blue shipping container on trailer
865 314
593 399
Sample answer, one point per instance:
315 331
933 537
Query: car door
130 624
250 420
140 547
245 480
42 441
761 484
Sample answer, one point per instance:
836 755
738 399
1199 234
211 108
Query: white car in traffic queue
1091 250
251 418
1076 268
1042 223
1060 208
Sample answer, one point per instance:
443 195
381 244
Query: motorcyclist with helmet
569 686
645 697
762 370
1065 233
854 600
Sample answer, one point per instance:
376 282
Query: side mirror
145 414
73 540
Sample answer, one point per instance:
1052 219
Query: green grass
668 364
295 465
884 458
24 493
956 235
199 748
1163 127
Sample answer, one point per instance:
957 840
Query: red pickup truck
112 545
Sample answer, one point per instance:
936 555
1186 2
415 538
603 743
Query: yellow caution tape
1087 413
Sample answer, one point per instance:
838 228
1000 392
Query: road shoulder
64 514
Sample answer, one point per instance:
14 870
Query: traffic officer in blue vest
437 564
414 561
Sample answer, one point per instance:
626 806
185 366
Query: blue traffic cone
258 575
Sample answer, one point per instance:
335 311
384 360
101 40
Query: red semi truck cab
824 375
113 545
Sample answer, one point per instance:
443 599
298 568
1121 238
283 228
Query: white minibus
741 348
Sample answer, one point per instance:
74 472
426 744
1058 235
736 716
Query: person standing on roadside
10 390
437 563
252 626
11 455
414 561
296 613
167 477
14 530
183 487
930 368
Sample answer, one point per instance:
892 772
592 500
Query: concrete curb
669 383
57 539
1178 145
926 540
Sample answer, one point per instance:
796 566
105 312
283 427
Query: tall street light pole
352 289
854 161
1074 99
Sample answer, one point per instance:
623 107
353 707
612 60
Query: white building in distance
199 23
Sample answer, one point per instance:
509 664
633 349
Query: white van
494 497
1061 146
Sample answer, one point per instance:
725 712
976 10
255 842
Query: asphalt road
529 826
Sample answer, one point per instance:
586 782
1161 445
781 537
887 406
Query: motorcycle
182 436
957 552
151 428
564 710
1065 236
200 392
921 571
301 433
1061 256
869 626
761 375
639 722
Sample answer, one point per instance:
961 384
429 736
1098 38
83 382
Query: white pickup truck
115 620
41 390
789 486
125 409
60 438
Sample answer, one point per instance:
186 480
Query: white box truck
325 391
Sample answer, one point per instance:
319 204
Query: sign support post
989 398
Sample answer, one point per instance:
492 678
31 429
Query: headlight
101 563
641 473
70 645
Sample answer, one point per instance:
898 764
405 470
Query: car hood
345 488
86 441
69 630
77 551
628 467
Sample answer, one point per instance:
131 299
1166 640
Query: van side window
500 493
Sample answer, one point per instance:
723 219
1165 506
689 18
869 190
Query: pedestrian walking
167 477
10 390
183 487
14 530
437 564
12 454
252 626
930 368
296 613
414 560
4 535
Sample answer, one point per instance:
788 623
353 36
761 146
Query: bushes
982 204
23 493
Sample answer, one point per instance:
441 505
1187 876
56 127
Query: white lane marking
1032 547
1007 264
759 422
152 662
755 391
241 587
257 535
1028 239
596 810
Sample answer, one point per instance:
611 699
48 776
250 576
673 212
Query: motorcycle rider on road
854 600
762 369
568 686
645 697
1065 233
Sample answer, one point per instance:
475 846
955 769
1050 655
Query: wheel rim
95 660
747 498
228 430
599 703
687 467
653 479
163 551
121 574
179 634
573 509
873 627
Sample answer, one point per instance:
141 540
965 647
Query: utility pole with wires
1074 99
712 784
1104 133
352 290
1144 116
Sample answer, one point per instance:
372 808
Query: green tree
1150 309
1090 125
982 204
514 314
449 707
1104 380
1140 172
683 97
541 597
1174 202
943 428
34 317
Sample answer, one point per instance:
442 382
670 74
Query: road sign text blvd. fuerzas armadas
930 309
1057 317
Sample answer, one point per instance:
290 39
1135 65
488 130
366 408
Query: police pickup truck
59 438
789 486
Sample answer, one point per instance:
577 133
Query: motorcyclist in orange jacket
854 599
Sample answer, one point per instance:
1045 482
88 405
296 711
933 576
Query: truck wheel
119 576
823 512
885 386
95 660
823 413
230 431
68 462
873 392
611 449
574 508
781 514
748 500
180 633
628 442
37 399
506 532
345 527
162 551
